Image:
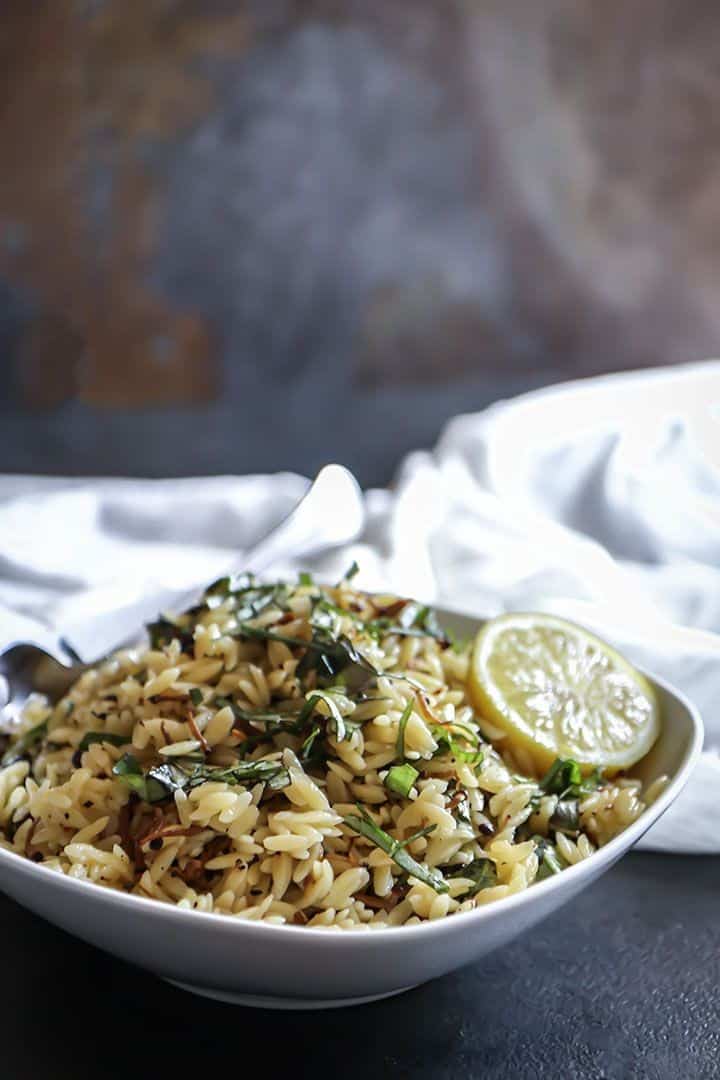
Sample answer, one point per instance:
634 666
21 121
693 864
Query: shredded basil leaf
481 872
235 585
566 816
330 656
273 719
326 606
19 748
564 777
171 776
196 696
271 772
291 723
415 620
350 573
336 716
308 709
562 774
548 859
325 654
164 630
221 587
400 744
309 749
443 736
128 770
396 849
400 779
161 781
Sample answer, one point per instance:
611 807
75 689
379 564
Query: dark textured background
254 234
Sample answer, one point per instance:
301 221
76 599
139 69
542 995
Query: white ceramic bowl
293 967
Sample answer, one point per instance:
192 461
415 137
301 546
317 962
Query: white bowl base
261 1001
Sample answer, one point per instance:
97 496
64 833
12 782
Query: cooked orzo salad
298 754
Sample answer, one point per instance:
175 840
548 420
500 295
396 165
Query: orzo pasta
296 754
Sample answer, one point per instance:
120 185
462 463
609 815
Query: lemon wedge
556 690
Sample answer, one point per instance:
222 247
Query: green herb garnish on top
564 777
161 781
21 746
397 849
400 779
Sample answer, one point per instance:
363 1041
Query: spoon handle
331 513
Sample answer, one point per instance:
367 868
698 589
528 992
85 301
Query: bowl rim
604 856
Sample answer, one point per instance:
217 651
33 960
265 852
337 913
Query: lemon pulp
557 690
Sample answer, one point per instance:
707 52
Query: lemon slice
556 690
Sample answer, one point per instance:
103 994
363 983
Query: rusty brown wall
203 202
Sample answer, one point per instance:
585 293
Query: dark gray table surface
623 983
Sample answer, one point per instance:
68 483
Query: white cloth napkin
598 500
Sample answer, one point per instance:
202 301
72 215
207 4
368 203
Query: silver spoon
35 658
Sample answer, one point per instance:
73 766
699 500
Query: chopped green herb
271 772
415 620
564 777
400 779
443 735
164 630
396 849
282 720
335 714
251 742
562 774
325 620
20 747
196 611
566 817
259 600
161 781
128 770
232 585
590 783
251 597
304 578
400 744
329 608
91 737
309 748
325 654
329 655
548 859
308 709
222 587
481 872
273 719
171 776
350 573
196 696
